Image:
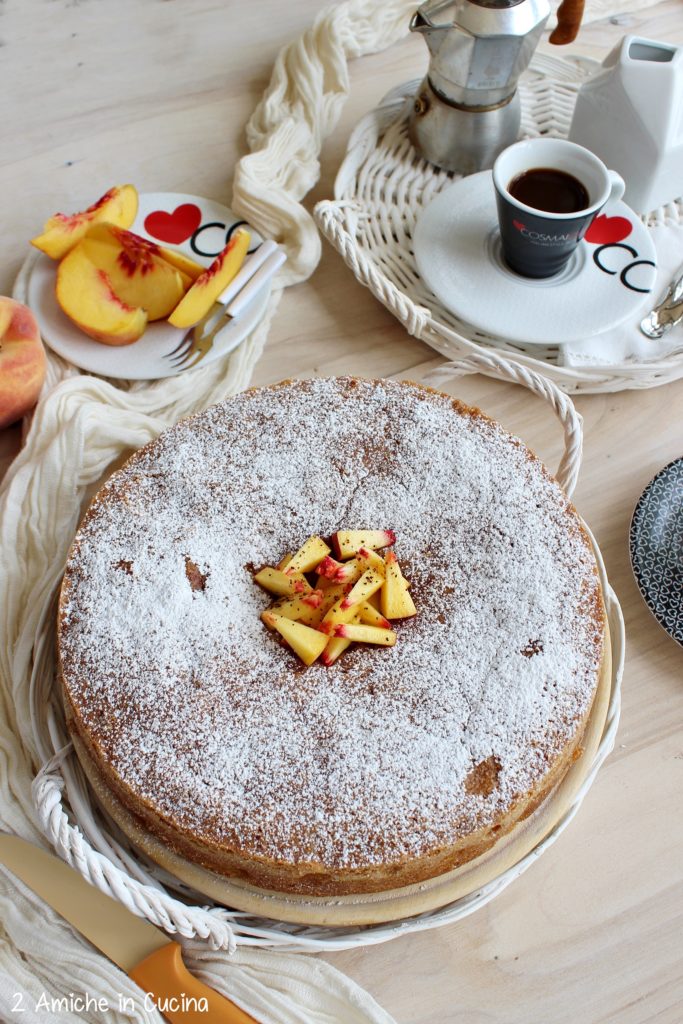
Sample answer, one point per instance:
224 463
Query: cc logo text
606 260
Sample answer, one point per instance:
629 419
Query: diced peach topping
341 601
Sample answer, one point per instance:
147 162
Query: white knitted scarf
82 425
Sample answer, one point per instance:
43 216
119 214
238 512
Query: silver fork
191 344
197 342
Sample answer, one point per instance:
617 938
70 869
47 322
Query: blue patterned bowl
656 547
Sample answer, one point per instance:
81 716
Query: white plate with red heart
197 227
608 280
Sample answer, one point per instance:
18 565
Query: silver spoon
668 312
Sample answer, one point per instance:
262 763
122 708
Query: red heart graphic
518 224
605 229
174 227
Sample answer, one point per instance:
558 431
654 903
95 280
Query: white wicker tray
382 187
87 837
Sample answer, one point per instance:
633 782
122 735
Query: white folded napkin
627 343
50 975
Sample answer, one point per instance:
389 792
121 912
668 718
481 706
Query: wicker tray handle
494 366
418 321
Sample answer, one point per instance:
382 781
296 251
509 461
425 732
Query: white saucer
194 226
608 280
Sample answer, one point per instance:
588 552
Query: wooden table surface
157 93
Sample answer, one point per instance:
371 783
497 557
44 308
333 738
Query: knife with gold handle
144 952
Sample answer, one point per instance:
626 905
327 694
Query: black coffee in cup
547 192
549 189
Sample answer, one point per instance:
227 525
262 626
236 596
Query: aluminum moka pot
467 109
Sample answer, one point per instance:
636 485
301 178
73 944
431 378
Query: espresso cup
539 242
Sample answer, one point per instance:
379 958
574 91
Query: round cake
394 764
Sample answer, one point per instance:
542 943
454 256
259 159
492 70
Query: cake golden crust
392 766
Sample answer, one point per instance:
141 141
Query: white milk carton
630 114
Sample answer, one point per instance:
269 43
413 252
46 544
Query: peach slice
350 571
367 585
307 643
86 295
369 559
366 634
370 616
340 572
209 285
22 361
139 275
347 542
181 262
294 609
336 615
329 567
396 602
277 582
308 556
330 597
63 231
336 646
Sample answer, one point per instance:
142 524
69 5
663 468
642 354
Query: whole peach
22 361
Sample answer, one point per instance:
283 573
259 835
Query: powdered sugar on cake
204 715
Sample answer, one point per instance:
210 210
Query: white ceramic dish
194 226
608 280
